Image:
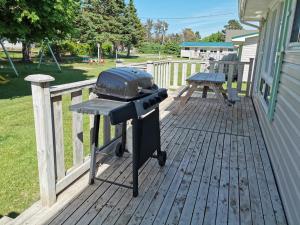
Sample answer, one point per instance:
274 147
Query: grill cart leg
161 155
94 148
135 158
120 149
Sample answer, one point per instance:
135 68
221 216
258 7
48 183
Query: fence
48 115
173 74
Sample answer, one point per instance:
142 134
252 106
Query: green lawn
19 186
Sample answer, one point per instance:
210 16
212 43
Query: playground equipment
46 44
8 57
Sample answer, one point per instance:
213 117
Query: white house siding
248 52
12 46
282 135
195 53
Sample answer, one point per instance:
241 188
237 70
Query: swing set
45 44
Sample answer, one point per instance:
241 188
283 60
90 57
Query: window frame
292 13
268 66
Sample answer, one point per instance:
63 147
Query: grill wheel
162 158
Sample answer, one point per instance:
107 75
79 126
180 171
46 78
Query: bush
149 48
107 48
70 47
171 48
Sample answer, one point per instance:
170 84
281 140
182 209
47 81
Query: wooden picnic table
212 81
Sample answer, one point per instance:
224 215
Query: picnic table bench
208 81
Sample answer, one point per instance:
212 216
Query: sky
213 14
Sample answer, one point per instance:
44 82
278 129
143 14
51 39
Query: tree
188 35
32 21
149 27
160 30
197 34
134 29
215 37
233 25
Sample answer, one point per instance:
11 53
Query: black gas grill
126 94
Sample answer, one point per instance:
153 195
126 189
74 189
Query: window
186 48
269 52
295 37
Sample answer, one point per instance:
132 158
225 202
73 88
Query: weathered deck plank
218 172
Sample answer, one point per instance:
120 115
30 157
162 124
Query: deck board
218 172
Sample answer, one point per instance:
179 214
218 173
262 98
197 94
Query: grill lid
124 83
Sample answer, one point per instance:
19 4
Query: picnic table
212 81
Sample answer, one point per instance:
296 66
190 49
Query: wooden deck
218 172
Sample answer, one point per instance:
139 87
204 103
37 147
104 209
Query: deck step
5 220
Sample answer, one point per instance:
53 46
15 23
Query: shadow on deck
217 172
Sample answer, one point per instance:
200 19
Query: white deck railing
173 74
48 116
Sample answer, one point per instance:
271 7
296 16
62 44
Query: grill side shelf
97 106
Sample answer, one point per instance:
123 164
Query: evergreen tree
135 31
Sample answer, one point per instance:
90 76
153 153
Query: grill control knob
152 101
146 105
158 99
163 94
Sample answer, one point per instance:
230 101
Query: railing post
44 136
212 66
250 81
150 67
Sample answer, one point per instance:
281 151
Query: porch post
150 67
44 136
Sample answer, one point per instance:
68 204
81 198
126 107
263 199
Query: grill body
124 84
136 98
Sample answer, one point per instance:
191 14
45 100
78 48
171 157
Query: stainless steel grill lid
124 83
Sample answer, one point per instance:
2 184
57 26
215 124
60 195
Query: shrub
149 48
107 48
171 48
70 47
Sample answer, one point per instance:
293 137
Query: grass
19 186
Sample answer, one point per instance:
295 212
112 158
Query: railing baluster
106 128
159 74
230 76
175 78
162 75
212 66
77 130
240 76
250 80
165 73
193 68
168 71
58 136
221 67
184 72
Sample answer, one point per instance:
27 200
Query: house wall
248 52
195 53
282 134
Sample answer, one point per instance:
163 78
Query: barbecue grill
127 94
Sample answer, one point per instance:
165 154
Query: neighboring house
232 33
277 91
206 50
247 46
12 46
